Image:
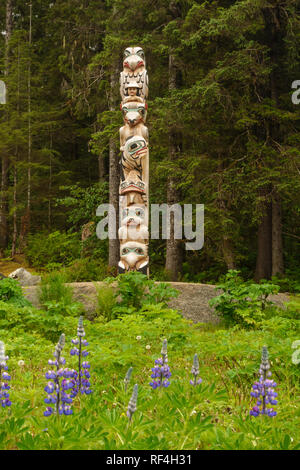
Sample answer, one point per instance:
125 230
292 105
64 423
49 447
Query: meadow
211 415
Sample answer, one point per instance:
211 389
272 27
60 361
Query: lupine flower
60 381
128 377
82 383
4 396
161 371
195 371
263 389
132 405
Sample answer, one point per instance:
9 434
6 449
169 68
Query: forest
224 131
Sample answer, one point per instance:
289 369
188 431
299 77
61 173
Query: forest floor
7 265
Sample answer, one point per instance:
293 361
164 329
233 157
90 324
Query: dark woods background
223 130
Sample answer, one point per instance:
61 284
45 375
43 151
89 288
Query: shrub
106 302
56 296
57 247
85 270
242 303
134 289
11 292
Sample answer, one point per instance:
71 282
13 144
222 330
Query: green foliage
134 290
242 303
81 203
131 293
11 292
106 302
214 415
57 247
56 296
85 269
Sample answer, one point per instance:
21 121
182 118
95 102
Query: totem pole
134 184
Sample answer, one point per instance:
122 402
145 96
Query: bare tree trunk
101 167
114 177
264 245
227 251
15 228
5 159
277 248
173 264
29 124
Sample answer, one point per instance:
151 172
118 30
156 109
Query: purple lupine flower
60 381
132 405
263 389
82 384
161 370
4 378
195 371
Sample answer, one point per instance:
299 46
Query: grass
214 415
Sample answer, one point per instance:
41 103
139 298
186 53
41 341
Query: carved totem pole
134 184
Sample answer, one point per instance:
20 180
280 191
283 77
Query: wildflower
138 338
4 395
161 371
195 371
132 405
59 382
148 346
83 374
263 389
21 363
127 377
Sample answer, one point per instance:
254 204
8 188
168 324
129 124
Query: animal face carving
133 215
134 73
134 156
133 255
134 112
134 58
134 226
135 148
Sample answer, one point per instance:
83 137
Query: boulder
24 277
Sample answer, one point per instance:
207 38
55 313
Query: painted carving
134 141
134 72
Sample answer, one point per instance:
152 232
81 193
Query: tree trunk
28 210
264 245
277 248
114 177
173 264
228 253
5 159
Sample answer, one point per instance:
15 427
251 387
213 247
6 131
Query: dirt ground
8 265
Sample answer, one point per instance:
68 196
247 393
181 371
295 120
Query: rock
24 277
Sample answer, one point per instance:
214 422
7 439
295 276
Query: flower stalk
264 389
4 378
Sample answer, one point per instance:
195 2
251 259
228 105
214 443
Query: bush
56 296
85 270
133 291
57 247
242 303
11 292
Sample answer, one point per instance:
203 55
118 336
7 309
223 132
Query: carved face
134 112
134 58
133 215
133 254
135 147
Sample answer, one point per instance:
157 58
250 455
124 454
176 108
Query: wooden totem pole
134 184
